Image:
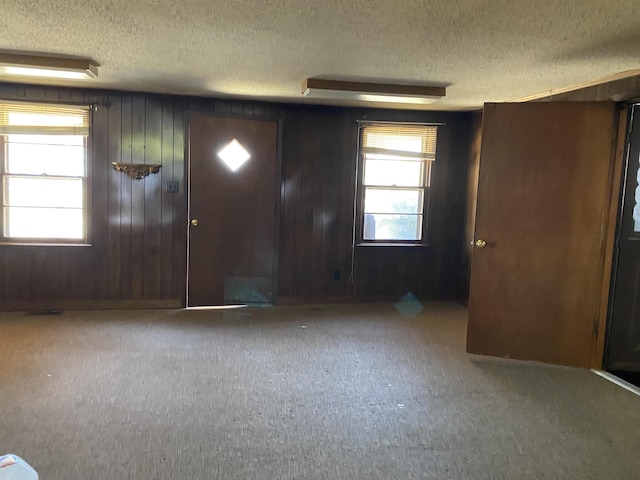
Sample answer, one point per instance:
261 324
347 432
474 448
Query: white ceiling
483 50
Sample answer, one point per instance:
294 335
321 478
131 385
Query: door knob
481 243
194 222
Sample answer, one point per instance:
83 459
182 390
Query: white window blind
406 142
43 119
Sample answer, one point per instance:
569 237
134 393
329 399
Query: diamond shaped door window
234 155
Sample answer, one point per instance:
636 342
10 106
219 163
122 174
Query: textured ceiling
483 50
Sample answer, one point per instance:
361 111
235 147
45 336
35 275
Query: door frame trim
632 109
611 224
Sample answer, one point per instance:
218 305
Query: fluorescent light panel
47 67
372 92
368 97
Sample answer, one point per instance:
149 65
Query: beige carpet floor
324 392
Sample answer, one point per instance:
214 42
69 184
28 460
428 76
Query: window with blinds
43 165
396 168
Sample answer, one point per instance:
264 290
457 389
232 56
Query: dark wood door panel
231 251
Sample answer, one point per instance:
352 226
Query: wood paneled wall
427 272
136 256
138 230
619 90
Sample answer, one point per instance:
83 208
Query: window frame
361 187
86 181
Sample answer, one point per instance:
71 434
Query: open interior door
546 173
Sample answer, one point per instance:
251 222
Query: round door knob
194 222
481 243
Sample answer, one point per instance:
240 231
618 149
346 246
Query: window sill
392 244
39 244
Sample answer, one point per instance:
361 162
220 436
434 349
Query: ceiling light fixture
372 92
50 67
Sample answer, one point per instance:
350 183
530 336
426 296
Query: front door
232 210
623 339
543 199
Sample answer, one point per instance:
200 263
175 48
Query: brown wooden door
232 248
543 198
623 339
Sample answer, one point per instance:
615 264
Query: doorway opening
622 347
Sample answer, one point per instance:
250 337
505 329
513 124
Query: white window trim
6 129
361 186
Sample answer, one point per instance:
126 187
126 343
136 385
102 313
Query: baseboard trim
26 306
319 299
293 300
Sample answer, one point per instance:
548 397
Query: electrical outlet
173 186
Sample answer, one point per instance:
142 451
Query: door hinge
596 328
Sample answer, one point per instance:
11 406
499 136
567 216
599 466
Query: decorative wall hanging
137 171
